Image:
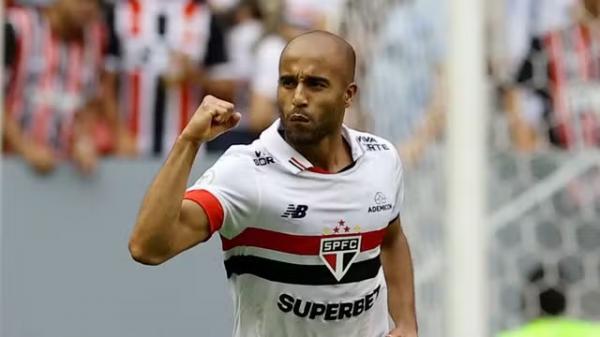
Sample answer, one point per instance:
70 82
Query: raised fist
213 117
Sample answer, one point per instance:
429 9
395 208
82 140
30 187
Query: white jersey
302 246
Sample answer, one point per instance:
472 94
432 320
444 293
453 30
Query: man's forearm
162 203
397 264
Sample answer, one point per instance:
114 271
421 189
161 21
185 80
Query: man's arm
398 271
166 224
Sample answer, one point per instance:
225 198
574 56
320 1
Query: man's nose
299 99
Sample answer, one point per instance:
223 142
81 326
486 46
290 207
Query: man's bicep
393 233
193 226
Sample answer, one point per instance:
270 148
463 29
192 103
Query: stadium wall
66 270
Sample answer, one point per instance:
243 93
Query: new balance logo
295 211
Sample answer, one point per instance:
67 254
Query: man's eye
287 82
317 84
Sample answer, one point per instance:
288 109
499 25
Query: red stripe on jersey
296 162
100 44
557 73
295 244
211 205
583 48
43 114
15 94
136 10
190 9
134 117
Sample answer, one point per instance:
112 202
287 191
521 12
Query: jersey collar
290 158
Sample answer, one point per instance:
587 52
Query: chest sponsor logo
381 204
338 254
327 311
295 211
262 160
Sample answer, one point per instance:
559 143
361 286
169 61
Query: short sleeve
266 72
398 180
228 193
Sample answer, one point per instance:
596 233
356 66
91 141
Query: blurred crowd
92 78
88 79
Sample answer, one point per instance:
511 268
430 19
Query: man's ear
351 91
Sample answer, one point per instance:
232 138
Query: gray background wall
66 270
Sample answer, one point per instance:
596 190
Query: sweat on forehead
327 43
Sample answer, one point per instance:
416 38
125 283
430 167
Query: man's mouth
298 117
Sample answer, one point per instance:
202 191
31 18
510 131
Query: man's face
79 13
311 94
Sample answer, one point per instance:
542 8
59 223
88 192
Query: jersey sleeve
398 181
228 193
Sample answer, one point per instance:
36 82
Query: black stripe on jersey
161 95
159 117
290 273
296 165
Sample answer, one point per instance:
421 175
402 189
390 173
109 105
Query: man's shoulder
246 155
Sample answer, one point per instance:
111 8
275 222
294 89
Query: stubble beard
303 137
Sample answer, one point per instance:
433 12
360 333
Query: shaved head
316 85
319 41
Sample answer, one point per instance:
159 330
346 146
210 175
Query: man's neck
331 154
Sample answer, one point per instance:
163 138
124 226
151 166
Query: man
159 55
308 214
562 69
290 19
52 62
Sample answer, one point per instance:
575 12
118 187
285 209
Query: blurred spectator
403 89
552 306
160 54
241 39
52 60
516 22
247 28
222 6
292 18
562 68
